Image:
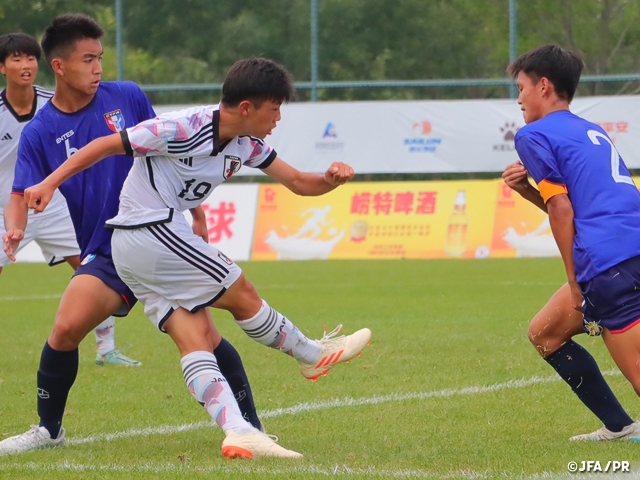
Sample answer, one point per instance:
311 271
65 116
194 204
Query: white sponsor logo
62 138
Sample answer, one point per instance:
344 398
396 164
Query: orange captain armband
548 189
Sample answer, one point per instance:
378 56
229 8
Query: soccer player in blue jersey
594 213
82 109
54 233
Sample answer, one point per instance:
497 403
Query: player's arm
15 223
561 220
515 176
39 196
309 184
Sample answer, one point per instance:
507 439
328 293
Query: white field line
250 468
325 405
239 468
31 297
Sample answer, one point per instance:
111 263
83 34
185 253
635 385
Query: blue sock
232 369
56 375
579 369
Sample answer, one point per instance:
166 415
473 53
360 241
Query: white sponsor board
428 136
231 217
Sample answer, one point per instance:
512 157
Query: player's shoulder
42 92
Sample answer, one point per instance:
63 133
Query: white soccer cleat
254 445
335 350
630 432
37 437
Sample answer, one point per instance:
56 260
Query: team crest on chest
115 120
231 165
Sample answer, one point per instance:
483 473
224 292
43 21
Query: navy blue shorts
103 268
612 298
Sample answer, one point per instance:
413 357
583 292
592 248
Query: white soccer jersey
11 125
178 162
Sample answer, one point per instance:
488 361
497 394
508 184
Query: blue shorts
103 268
612 298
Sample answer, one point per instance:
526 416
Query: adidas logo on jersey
187 161
7 137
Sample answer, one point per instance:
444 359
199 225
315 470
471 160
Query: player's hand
199 227
11 241
338 174
576 296
38 196
515 176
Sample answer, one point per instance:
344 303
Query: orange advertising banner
434 219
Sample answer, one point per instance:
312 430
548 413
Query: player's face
265 118
82 68
20 69
530 98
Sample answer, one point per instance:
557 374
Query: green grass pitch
449 387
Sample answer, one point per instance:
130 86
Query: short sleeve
541 165
262 155
175 134
28 170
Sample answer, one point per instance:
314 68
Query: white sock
105 336
210 389
269 327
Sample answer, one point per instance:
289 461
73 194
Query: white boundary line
335 471
325 405
15 298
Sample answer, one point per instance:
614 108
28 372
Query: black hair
561 67
18 44
257 80
65 30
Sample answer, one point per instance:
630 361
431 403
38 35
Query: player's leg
269 327
160 273
57 239
551 332
85 303
195 336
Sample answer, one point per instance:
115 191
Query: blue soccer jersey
567 154
53 136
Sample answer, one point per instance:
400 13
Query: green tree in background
195 41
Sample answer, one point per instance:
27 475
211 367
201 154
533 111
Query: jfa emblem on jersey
224 258
115 120
231 165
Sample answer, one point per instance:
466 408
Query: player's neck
230 125
69 100
557 105
20 97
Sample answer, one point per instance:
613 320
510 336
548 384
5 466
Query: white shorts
53 232
167 266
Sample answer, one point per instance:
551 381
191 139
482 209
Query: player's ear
2 69
244 107
56 66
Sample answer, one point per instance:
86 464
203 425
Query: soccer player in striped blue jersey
53 232
81 110
594 213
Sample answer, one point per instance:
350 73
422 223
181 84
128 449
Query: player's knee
66 335
539 337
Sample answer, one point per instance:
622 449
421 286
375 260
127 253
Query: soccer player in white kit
180 157
53 231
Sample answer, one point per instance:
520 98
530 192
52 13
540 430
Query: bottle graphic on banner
456 242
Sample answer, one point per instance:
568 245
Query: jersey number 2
615 157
